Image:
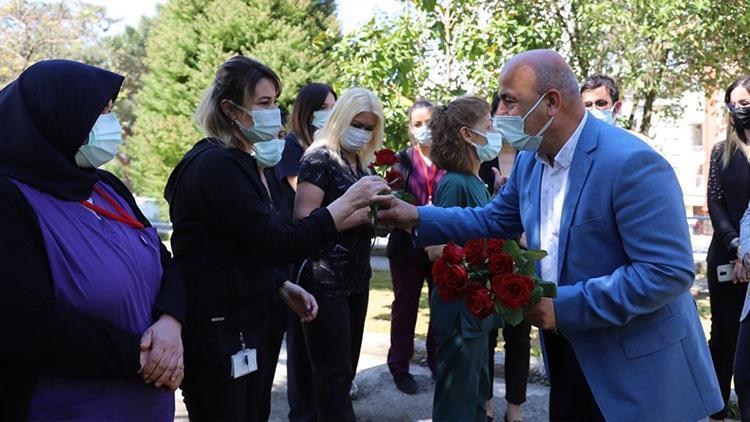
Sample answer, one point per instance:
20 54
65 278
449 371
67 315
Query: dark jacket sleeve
171 298
39 334
717 203
225 191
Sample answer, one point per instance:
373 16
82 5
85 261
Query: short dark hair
595 81
309 100
449 150
495 103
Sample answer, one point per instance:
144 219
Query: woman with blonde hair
728 195
229 239
339 276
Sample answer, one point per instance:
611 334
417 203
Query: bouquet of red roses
385 159
495 276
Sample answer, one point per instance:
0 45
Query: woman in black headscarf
88 297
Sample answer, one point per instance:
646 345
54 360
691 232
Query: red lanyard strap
429 175
121 215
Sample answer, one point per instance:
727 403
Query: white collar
565 156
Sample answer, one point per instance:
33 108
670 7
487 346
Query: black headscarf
45 116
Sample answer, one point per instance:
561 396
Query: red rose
512 290
495 246
501 263
475 251
453 254
479 301
385 157
450 280
393 177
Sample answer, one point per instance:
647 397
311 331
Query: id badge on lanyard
245 361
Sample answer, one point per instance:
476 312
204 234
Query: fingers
497 172
146 340
168 372
157 364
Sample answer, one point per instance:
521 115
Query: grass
379 311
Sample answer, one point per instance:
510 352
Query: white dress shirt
554 188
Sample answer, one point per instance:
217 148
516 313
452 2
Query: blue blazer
625 269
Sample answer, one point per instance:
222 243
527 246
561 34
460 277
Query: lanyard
121 215
430 175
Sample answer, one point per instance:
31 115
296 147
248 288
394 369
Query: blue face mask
355 138
491 149
266 125
512 130
104 140
605 115
268 153
320 118
423 135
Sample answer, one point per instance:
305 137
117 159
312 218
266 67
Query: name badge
244 362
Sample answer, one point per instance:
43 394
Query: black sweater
228 240
42 337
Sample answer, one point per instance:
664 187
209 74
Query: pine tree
189 39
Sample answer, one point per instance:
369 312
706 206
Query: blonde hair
353 102
736 140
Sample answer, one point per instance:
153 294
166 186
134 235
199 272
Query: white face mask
104 140
268 153
320 118
423 135
355 138
605 115
512 130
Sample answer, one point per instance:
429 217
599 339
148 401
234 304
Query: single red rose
512 290
453 254
500 263
453 282
495 246
393 178
475 251
385 157
479 301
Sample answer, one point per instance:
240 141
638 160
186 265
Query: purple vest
105 270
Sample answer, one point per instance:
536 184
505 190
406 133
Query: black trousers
209 391
334 340
742 370
570 397
726 305
300 393
517 355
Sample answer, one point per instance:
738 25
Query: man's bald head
550 71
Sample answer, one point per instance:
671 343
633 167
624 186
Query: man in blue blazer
623 339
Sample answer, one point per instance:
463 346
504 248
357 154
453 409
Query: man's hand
299 301
500 180
161 353
741 274
398 213
542 314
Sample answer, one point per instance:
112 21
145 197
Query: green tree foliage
37 30
189 39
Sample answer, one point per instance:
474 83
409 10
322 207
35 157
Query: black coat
228 239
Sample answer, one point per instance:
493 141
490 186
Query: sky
351 13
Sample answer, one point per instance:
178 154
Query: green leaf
534 255
511 248
549 289
514 318
405 196
536 294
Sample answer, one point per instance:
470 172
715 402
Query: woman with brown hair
463 138
728 195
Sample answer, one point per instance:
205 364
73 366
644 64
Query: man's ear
554 102
616 108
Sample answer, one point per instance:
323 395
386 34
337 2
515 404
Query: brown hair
736 140
235 80
309 100
449 150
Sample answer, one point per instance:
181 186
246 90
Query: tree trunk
648 109
631 118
